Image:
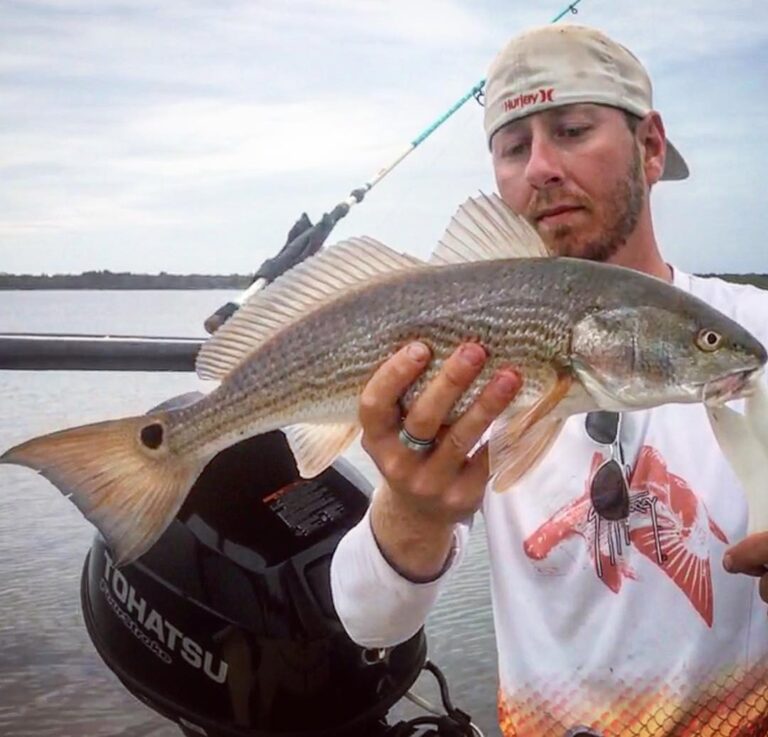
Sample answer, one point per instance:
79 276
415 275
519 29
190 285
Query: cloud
189 134
224 45
685 31
139 101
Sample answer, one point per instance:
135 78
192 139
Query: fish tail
121 474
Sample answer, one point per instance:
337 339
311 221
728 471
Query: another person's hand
750 556
426 493
304 239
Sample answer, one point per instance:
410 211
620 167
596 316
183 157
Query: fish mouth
735 385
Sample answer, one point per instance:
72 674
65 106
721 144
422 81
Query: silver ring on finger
417 444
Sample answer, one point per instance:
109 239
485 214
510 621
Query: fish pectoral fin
314 282
748 459
120 474
316 446
509 462
484 228
520 439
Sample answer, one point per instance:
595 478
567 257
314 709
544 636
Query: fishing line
441 152
358 194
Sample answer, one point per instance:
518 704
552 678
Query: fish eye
709 340
152 435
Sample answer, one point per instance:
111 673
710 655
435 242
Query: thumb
750 556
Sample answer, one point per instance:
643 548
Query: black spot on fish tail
152 435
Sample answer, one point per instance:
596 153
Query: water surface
52 681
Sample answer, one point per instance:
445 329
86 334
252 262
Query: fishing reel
227 626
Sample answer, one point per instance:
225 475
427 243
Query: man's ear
653 146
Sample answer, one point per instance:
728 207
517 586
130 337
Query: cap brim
675 167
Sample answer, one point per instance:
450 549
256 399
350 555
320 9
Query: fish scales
304 371
297 356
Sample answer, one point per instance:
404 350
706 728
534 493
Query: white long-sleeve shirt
632 630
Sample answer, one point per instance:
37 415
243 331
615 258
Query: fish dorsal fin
484 228
317 280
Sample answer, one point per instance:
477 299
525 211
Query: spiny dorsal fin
320 279
484 228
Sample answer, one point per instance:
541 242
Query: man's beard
622 208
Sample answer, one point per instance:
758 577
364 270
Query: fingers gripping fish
297 355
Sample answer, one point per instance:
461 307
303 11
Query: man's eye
573 131
514 150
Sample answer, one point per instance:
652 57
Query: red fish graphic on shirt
668 524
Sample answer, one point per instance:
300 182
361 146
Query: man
610 620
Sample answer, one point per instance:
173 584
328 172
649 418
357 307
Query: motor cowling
227 626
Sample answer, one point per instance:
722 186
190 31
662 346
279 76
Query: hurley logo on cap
568 64
528 98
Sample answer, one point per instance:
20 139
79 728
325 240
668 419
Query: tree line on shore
758 280
126 280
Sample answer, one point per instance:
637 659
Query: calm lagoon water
52 682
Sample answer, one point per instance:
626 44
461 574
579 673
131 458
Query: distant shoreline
756 280
125 280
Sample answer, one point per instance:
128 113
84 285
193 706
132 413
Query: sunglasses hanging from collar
609 491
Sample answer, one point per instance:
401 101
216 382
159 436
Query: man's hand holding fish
429 492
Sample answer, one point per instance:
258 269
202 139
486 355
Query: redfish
583 335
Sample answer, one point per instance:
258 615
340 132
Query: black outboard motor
227 625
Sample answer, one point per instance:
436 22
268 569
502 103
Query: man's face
576 174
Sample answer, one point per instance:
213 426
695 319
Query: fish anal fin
519 440
316 446
316 281
120 474
485 228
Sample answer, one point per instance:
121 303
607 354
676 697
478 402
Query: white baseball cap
566 64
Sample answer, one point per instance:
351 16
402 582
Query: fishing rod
311 239
135 353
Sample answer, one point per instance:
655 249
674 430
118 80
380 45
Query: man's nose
544 167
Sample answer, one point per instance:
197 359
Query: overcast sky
187 135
